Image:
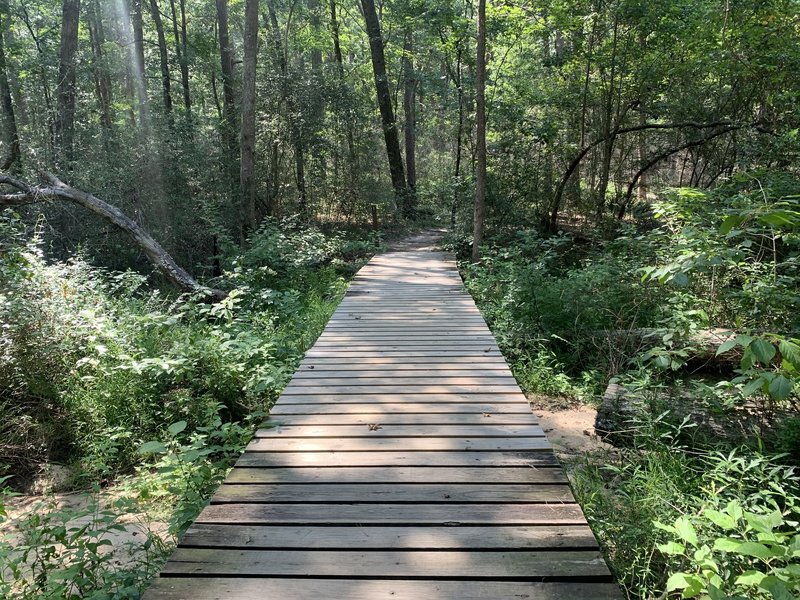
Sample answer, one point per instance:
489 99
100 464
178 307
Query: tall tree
155 12
480 139
396 169
140 83
247 177
65 92
102 79
295 129
410 112
229 134
181 49
5 95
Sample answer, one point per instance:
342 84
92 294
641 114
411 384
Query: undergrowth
700 498
153 392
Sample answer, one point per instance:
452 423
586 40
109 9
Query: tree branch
57 190
556 204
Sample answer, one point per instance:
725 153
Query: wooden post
374 211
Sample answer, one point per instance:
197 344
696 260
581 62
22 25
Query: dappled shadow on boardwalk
402 462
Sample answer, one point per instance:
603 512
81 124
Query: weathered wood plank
400 381
419 538
242 588
461 474
358 406
407 493
377 444
393 514
531 459
402 418
366 396
389 430
449 390
424 371
410 564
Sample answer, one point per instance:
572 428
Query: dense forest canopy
619 178
198 119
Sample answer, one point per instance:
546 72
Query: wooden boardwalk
401 462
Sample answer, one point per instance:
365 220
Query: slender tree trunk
5 95
138 54
410 114
155 12
459 139
384 99
295 129
247 178
480 119
65 117
102 80
229 133
352 166
180 53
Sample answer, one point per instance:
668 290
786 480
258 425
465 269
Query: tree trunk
138 54
295 129
5 95
248 142
458 80
180 52
58 190
384 99
409 125
229 133
155 12
65 92
480 119
102 79
352 166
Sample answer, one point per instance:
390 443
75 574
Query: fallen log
57 190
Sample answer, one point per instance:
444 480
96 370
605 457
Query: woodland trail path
401 462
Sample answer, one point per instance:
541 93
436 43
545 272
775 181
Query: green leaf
680 279
750 578
763 350
177 427
686 530
727 345
753 386
672 548
720 519
726 544
756 550
691 585
152 448
790 352
729 223
780 388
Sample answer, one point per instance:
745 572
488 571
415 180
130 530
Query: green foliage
64 553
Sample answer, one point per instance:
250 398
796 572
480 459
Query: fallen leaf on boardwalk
374 427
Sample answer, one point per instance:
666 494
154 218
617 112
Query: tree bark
410 122
58 190
352 166
295 128
102 79
396 169
138 55
5 94
155 12
247 168
480 119
181 52
65 92
229 133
